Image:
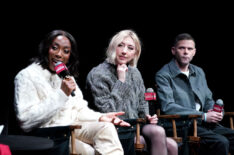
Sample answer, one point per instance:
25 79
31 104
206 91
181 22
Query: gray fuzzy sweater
111 95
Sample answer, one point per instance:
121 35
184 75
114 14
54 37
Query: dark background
92 25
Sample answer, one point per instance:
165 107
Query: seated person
117 85
182 89
43 99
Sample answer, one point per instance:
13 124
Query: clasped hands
152 119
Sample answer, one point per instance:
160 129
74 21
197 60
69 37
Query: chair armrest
229 114
169 116
141 120
75 127
176 116
173 116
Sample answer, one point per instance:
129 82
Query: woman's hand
152 119
121 72
112 118
68 85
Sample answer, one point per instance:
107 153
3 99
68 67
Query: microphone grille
150 90
58 63
219 101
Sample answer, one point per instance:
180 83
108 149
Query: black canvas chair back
60 136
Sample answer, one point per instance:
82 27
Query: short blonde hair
116 40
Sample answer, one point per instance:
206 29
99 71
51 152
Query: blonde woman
117 85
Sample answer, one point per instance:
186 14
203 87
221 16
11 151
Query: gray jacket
177 92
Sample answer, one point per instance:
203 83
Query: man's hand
214 117
112 118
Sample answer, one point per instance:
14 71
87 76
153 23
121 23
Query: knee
142 140
172 143
153 131
224 142
172 146
108 127
158 131
220 145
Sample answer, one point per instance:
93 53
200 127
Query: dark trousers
215 139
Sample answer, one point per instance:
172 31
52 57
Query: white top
198 105
186 73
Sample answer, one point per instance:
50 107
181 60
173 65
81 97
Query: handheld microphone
218 106
150 96
62 71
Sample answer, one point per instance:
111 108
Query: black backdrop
211 26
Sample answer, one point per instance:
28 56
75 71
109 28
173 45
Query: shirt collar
175 71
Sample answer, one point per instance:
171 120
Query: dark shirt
178 93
